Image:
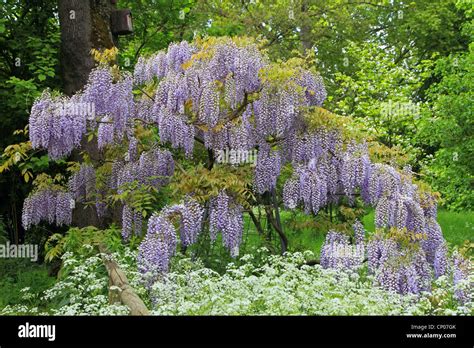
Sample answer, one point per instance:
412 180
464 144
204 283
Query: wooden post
123 292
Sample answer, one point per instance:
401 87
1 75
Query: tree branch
256 222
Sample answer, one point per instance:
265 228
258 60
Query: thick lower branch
256 222
278 229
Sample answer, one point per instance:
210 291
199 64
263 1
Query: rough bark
305 32
84 24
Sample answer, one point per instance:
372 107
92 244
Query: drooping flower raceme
54 127
359 232
192 215
132 222
161 240
440 262
158 247
267 169
337 252
226 216
51 206
82 183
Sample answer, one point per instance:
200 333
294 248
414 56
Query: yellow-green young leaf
26 177
90 137
144 213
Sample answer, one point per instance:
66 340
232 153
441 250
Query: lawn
304 232
457 226
17 274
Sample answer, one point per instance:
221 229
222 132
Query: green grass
457 227
17 274
301 230
304 233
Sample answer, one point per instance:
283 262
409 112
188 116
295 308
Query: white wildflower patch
252 285
283 286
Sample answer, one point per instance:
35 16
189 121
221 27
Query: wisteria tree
182 129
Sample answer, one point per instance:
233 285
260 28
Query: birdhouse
121 22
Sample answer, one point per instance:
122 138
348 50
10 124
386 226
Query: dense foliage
225 94
189 141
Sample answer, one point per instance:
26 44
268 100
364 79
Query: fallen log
119 288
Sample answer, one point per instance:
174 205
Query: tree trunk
306 27
85 24
277 227
271 207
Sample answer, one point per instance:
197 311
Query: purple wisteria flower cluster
403 270
60 129
52 206
337 252
163 63
230 72
161 240
82 183
53 127
158 246
113 102
154 167
191 215
132 222
406 270
267 169
324 173
226 216
461 268
395 266
413 274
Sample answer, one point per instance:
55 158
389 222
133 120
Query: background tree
157 23
29 45
377 58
